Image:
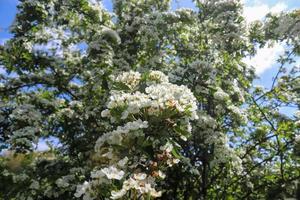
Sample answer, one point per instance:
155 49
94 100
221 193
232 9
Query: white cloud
279 7
265 57
259 10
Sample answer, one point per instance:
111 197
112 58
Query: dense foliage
147 102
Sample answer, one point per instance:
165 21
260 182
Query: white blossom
140 183
118 194
157 97
131 78
168 147
113 173
81 189
115 137
157 77
220 95
161 174
140 176
34 185
123 162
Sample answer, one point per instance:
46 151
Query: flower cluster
160 95
135 111
157 77
220 95
238 114
131 78
139 182
115 137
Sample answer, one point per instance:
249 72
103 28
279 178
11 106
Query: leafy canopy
147 102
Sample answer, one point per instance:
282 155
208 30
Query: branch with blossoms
150 115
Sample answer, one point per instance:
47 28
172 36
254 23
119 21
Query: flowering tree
147 102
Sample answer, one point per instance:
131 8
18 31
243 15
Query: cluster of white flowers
213 137
166 154
115 137
132 102
206 121
238 113
220 95
64 181
157 77
225 154
131 78
34 185
297 138
99 177
113 173
83 190
236 90
141 183
150 96
157 97
210 135
167 95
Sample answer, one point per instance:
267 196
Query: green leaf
121 86
175 153
181 131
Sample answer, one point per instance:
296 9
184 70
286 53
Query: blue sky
264 61
7 12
